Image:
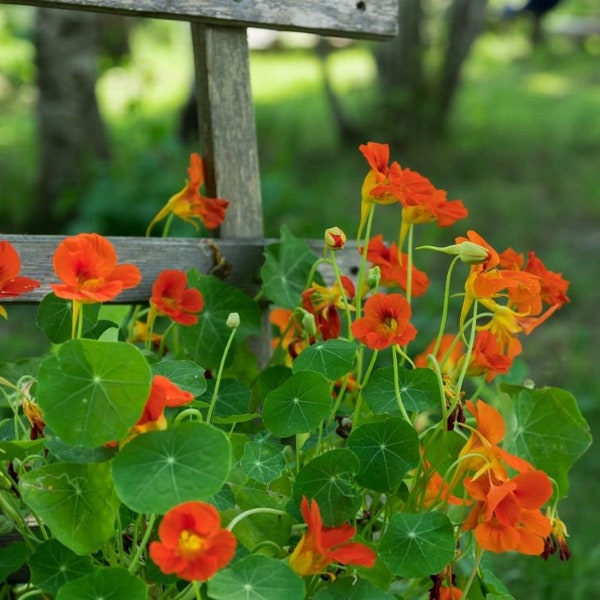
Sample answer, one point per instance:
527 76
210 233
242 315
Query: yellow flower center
390 324
190 544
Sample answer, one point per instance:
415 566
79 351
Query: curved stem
467 358
215 394
444 317
253 511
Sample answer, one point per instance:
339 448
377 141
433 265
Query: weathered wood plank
227 126
237 262
342 18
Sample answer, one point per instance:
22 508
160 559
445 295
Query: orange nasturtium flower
171 297
449 593
507 513
87 265
11 284
385 322
189 204
321 546
386 184
163 394
192 543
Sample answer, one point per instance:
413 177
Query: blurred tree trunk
400 72
466 20
71 131
415 104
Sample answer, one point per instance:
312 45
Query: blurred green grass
521 151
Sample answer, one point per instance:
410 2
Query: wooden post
227 126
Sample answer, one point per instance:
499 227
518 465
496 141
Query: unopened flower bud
308 323
472 253
373 277
468 252
233 320
335 238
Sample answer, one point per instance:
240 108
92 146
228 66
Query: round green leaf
387 450
12 557
419 390
262 462
55 317
349 588
111 583
256 577
329 479
233 398
53 565
550 431
417 545
206 340
93 392
20 449
332 358
298 405
287 265
76 501
186 374
157 470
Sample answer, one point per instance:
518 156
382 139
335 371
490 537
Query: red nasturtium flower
87 265
163 394
394 266
11 284
171 297
321 546
192 543
385 322
323 303
190 205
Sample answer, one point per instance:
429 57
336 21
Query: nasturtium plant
171 450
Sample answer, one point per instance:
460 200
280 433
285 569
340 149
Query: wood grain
227 126
235 261
342 18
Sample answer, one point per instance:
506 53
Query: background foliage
521 150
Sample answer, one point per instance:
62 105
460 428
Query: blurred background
497 102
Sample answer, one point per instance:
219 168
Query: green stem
444 318
77 326
196 588
409 262
478 556
363 262
167 227
467 358
397 386
215 394
142 545
163 339
363 382
338 278
253 511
